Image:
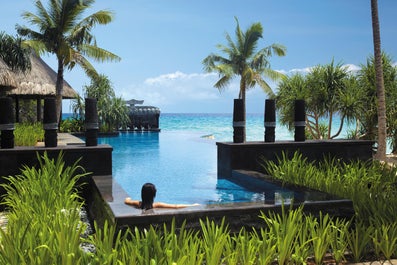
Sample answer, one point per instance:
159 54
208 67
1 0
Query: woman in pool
148 193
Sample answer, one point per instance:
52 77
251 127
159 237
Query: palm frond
223 82
86 66
252 35
98 53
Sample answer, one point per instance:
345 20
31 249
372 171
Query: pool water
182 165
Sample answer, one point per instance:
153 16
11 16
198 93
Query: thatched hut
37 84
7 78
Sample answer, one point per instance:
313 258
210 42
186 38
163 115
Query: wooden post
238 121
91 122
270 120
300 120
50 124
7 120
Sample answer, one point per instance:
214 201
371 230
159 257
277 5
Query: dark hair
148 193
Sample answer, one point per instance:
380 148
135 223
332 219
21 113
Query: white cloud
352 67
182 92
195 92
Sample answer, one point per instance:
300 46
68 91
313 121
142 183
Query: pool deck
66 139
236 214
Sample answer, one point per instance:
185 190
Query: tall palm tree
380 88
62 32
243 60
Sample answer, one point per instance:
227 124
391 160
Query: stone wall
248 155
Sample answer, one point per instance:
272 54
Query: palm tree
61 32
13 53
380 89
244 61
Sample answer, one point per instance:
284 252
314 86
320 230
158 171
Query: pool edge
109 205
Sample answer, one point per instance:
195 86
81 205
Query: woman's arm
172 206
131 202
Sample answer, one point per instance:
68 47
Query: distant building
143 118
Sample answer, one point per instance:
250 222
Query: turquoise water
219 125
180 161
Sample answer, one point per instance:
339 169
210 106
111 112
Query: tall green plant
61 31
215 239
243 60
112 110
43 215
286 228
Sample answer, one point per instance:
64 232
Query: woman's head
148 193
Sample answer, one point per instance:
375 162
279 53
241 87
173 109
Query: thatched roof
7 76
39 81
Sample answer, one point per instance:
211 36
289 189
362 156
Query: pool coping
237 215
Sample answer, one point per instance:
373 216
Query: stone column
270 120
7 120
50 124
300 120
91 122
238 121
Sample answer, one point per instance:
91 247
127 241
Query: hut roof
7 76
39 81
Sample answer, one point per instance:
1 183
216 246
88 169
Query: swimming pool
182 165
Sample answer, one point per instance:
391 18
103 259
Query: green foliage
329 91
43 216
112 110
13 53
242 59
369 118
371 187
72 125
28 134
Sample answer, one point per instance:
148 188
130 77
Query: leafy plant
286 228
43 215
215 239
320 231
28 134
358 240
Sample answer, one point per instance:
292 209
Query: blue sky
163 42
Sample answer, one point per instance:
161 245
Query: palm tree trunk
59 90
380 89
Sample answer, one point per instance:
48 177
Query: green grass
28 134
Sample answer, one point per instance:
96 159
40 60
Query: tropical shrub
72 125
112 110
43 210
28 134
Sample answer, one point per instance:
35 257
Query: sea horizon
219 126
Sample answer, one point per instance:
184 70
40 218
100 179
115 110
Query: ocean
219 126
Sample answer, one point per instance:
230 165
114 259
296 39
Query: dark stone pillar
270 120
17 109
300 120
7 120
238 121
91 122
38 109
50 124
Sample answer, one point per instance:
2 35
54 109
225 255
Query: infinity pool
181 165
